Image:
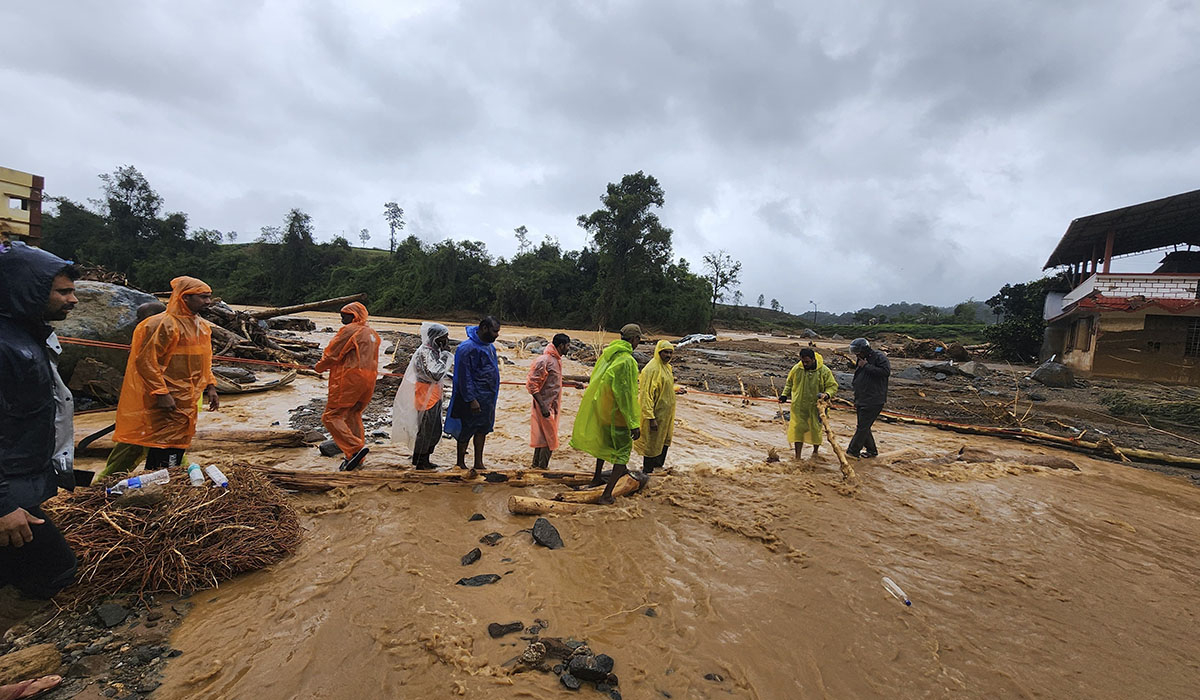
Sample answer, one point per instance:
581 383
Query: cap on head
630 330
859 345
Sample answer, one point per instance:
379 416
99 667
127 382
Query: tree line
626 273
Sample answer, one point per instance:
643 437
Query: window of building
1191 346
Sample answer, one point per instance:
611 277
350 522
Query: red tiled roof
1136 303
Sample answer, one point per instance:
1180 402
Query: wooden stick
823 414
310 481
525 505
285 310
625 486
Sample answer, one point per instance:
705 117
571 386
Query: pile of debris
265 335
174 537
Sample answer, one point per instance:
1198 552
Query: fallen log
219 439
310 306
625 486
823 413
30 662
316 482
526 505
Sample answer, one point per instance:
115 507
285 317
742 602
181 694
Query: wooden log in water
625 486
211 438
525 505
311 481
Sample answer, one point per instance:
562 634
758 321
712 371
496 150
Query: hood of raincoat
614 348
552 351
473 334
430 332
357 310
820 363
662 345
25 277
182 287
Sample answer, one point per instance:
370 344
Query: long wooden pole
310 306
823 413
325 481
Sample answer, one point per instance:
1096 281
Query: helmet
859 345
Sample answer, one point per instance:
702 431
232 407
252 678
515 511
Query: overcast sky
849 153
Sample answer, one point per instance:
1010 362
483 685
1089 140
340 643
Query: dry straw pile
189 539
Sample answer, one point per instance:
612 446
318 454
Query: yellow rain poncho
802 386
171 353
656 398
609 407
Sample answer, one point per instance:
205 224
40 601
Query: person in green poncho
656 397
609 416
808 381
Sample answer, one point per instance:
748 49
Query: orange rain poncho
544 383
352 358
171 353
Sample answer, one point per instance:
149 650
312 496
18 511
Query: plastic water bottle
896 591
136 482
196 474
217 477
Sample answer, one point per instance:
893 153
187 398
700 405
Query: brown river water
1025 581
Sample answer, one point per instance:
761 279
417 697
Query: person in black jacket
870 393
36 419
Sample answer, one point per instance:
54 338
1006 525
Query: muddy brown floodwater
1025 581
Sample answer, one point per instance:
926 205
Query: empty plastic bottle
196 474
895 590
217 477
136 482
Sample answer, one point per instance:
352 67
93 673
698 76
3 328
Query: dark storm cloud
850 153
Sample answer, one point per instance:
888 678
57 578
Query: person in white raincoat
417 410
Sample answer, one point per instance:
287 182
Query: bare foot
606 501
29 689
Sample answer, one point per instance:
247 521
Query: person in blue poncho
472 412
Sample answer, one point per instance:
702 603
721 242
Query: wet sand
1025 581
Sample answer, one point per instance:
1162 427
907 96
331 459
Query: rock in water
106 312
497 630
475 516
471 557
591 668
480 580
571 682
111 614
329 448
546 534
491 538
1055 375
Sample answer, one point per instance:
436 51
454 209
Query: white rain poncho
421 389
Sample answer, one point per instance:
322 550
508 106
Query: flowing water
1025 581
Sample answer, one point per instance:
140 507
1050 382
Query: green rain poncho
656 398
803 385
609 407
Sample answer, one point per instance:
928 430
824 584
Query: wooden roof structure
21 205
1161 223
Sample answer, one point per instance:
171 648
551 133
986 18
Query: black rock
111 614
614 694
471 557
715 677
497 630
491 538
570 681
154 615
480 580
148 686
1055 375
650 612
590 668
329 448
174 653
559 668
546 534
603 687
148 653
476 516
495 478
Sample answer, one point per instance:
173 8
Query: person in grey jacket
870 394
36 419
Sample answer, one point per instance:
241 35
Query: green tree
1018 335
522 234
722 272
776 306
762 300
394 215
294 263
632 245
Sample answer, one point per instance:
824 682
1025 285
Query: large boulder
106 312
1055 375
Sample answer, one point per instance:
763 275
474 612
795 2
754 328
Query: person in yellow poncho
656 399
609 416
808 381
169 369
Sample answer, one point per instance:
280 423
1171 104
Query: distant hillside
754 317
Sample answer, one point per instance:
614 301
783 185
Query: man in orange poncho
169 369
545 383
352 358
